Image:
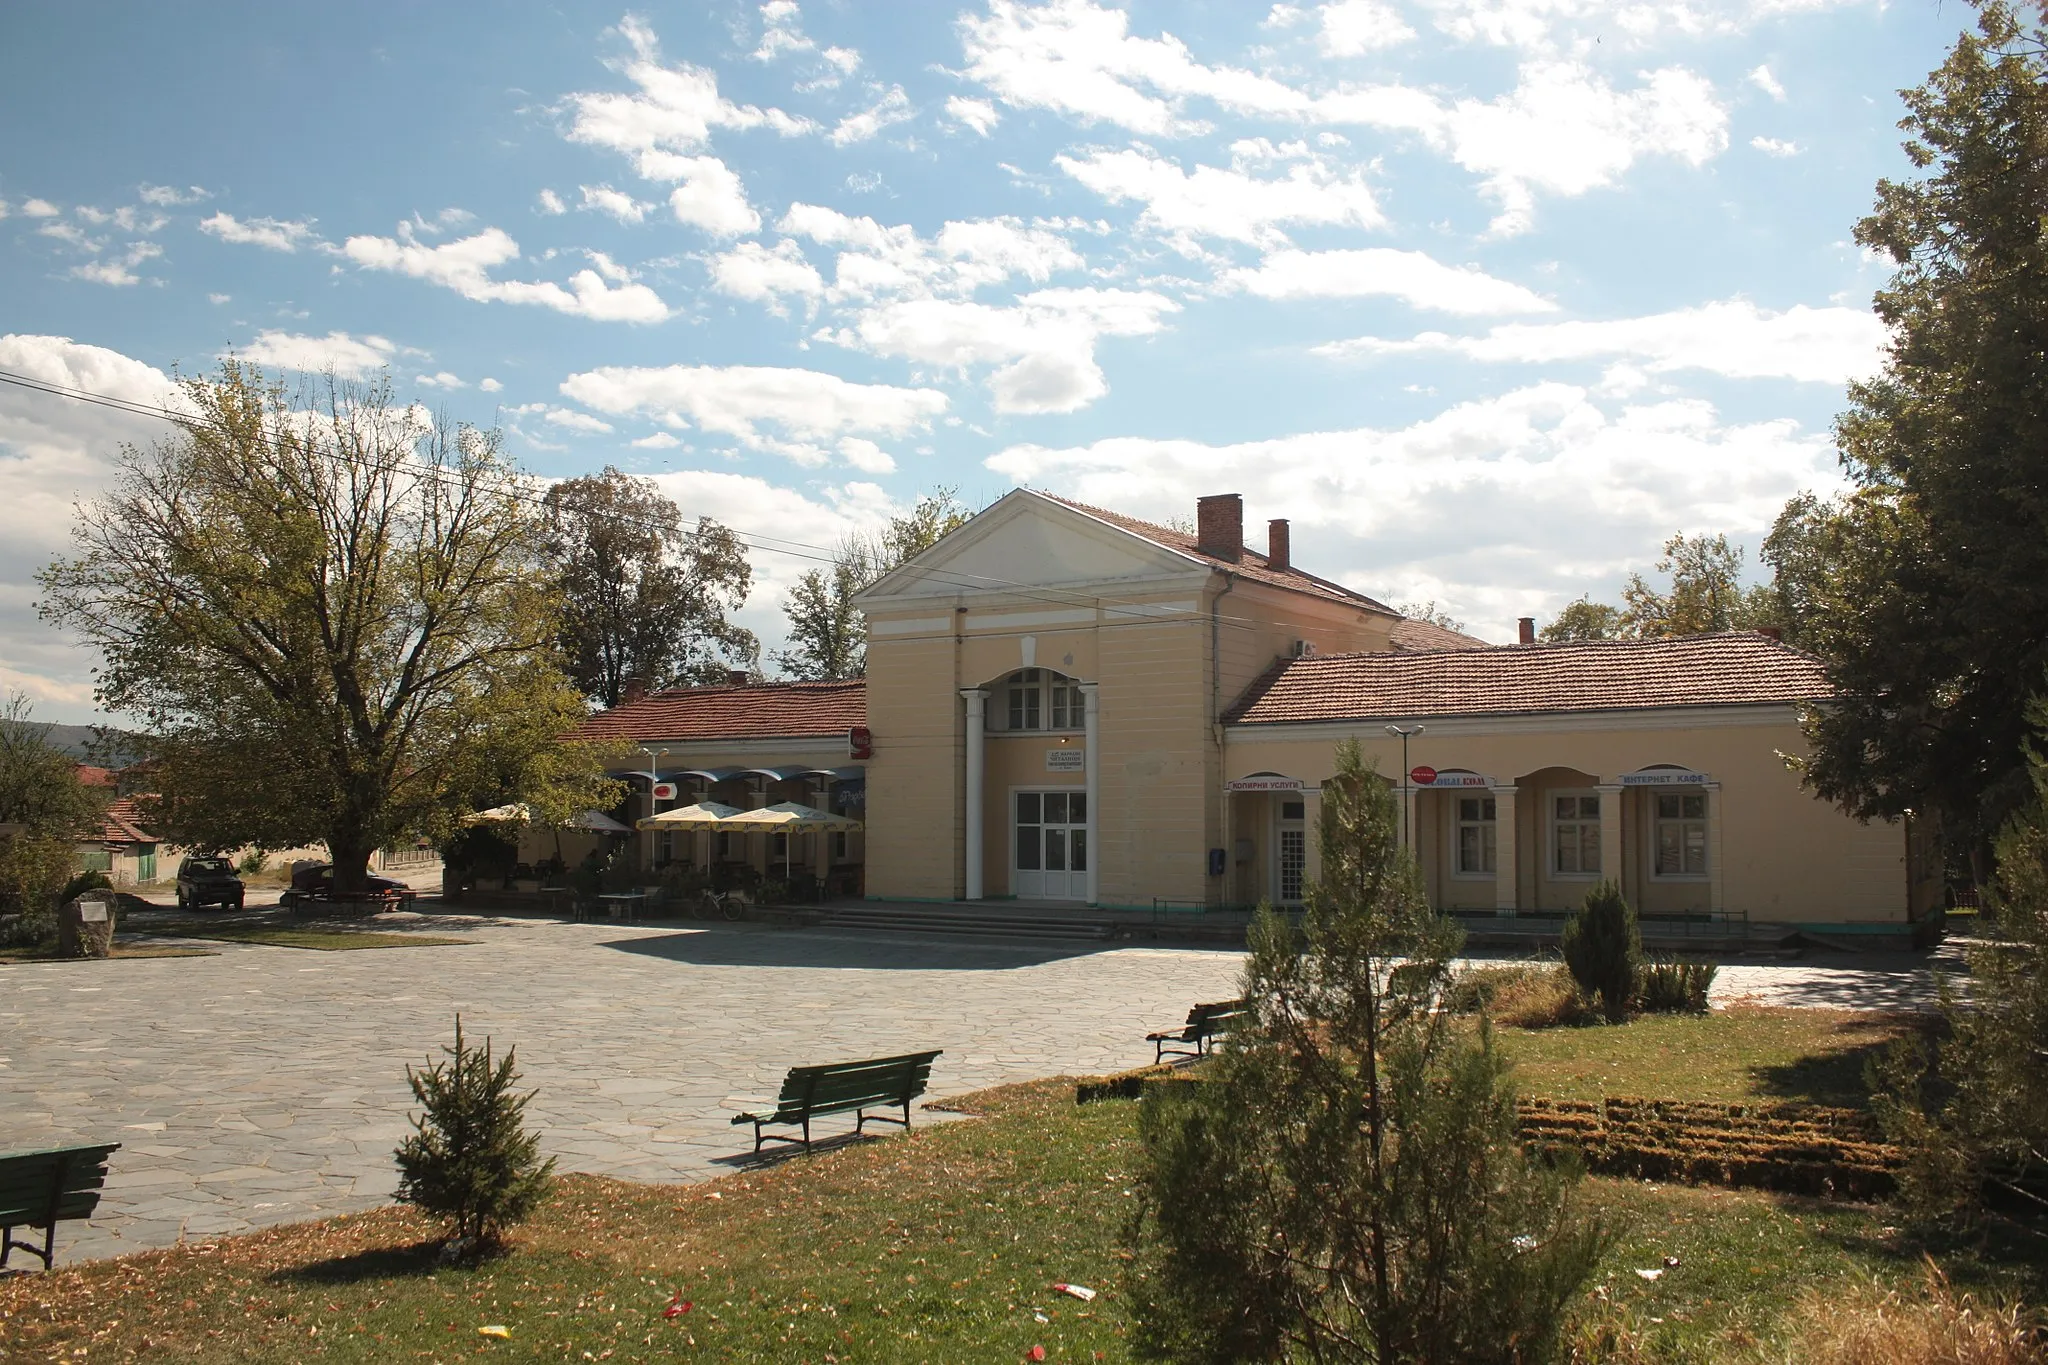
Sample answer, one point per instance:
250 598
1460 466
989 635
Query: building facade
1064 705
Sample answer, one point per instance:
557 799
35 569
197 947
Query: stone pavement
267 1085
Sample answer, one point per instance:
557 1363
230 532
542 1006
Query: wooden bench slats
40 1189
836 1088
1205 1024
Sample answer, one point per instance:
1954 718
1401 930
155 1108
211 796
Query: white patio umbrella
702 815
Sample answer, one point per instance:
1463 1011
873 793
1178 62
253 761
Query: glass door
1292 843
1051 842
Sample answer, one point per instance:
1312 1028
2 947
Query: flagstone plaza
265 1085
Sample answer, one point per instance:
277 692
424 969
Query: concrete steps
973 922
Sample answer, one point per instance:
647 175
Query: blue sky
1488 296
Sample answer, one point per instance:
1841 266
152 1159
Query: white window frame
1704 820
1552 821
1282 825
1046 686
1458 823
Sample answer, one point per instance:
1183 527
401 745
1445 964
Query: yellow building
1069 706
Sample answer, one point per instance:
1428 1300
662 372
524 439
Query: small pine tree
471 1160
1344 1184
1604 950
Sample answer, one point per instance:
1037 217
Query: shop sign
1422 774
1066 760
1268 783
1664 777
1440 781
664 791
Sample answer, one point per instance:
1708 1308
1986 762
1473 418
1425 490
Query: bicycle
730 906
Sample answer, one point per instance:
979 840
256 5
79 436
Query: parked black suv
208 881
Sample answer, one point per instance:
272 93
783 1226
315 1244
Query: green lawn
940 1246
1731 1055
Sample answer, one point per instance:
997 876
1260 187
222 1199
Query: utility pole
1406 732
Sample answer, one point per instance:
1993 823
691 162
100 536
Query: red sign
664 791
1422 775
860 742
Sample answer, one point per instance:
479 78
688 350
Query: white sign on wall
1269 782
1664 777
1066 760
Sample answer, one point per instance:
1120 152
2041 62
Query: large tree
1934 609
335 616
646 600
44 810
827 637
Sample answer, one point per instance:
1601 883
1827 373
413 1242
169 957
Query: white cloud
170 196
571 420
979 115
272 234
1735 339
660 440
844 59
1412 276
350 357
1763 80
781 31
1043 345
1351 28
119 269
551 203
220 298
965 255
891 108
624 207
489 385
1564 130
866 456
674 111
1507 506
441 379
40 208
1771 146
1214 202
744 402
54 453
711 196
1551 26
464 265
763 274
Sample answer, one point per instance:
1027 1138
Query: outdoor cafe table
624 904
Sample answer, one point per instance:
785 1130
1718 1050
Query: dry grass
1935 1326
1539 997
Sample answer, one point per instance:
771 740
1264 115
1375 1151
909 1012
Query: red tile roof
1411 634
796 710
1252 564
121 823
1738 668
90 776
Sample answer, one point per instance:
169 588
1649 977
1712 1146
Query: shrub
1476 988
92 879
1604 950
1545 997
1347 1177
471 1160
253 863
1679 986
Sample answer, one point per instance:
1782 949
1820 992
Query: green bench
43 1189
840 1087
1206 1023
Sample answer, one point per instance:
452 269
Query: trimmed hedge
1797 1148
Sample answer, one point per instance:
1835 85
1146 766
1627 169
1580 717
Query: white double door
1049 839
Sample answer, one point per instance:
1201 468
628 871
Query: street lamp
1406 732
654 757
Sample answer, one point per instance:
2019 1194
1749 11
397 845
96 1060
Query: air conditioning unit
1304 649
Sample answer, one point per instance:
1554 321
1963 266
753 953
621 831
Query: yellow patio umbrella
790 817
702 815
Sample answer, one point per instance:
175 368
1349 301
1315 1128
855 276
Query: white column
1716 884
1507 863
1610 831
1091 737
974 697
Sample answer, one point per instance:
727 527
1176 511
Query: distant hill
91 744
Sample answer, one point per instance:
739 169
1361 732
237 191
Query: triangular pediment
1027 540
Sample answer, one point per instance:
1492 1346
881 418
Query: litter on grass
1650 1274
498 1330
1079 1291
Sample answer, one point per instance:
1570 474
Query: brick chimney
1278 552
1525 630
735 677
1219 526
636 690
1770 632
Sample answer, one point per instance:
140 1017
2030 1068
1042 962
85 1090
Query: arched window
1037 699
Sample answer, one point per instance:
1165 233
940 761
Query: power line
794 549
